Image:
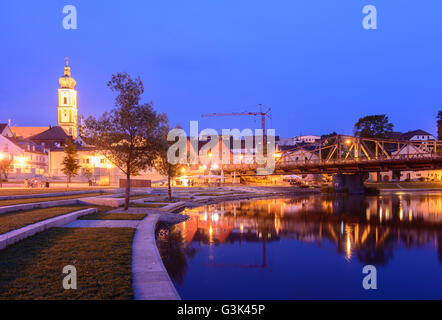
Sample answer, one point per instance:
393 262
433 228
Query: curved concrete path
150 278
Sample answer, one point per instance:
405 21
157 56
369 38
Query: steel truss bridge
348 154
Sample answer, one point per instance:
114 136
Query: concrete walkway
150 278
103 224
132 210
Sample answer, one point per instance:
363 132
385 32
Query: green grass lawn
147 205
167 201
33 200
17 192
113 216
19 219
32 268
139 196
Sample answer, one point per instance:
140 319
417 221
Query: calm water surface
308 247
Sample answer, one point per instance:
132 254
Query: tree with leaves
374 126
87 172
129 136
162 163
5 168
70 162
326 136
439 125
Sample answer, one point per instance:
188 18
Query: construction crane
261 113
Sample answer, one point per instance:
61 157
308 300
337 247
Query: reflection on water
294 242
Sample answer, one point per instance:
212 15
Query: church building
40 150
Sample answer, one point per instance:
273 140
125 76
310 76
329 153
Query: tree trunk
439 130
169 188
127 197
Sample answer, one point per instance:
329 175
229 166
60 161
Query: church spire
67 82
67 103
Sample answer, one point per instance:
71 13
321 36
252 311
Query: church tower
67 103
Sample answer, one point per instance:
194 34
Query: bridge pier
396 175
378 177
351 183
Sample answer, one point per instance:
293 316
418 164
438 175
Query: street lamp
21 161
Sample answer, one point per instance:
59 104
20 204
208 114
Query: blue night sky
309 60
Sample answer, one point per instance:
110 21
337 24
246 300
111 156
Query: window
65 100
102 161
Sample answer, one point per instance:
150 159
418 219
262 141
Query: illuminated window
65 100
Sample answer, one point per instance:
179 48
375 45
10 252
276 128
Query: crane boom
231 114
261 113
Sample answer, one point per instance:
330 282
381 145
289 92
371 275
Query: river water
308 247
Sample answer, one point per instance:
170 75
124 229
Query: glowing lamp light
2 156
95 160
210 154
215 166
183 170
20 160
348 141
277 155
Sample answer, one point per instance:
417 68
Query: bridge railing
281 163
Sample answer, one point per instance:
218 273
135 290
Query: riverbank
406 185
150 279
250 192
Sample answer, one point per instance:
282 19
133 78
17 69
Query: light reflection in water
307 220
362 229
